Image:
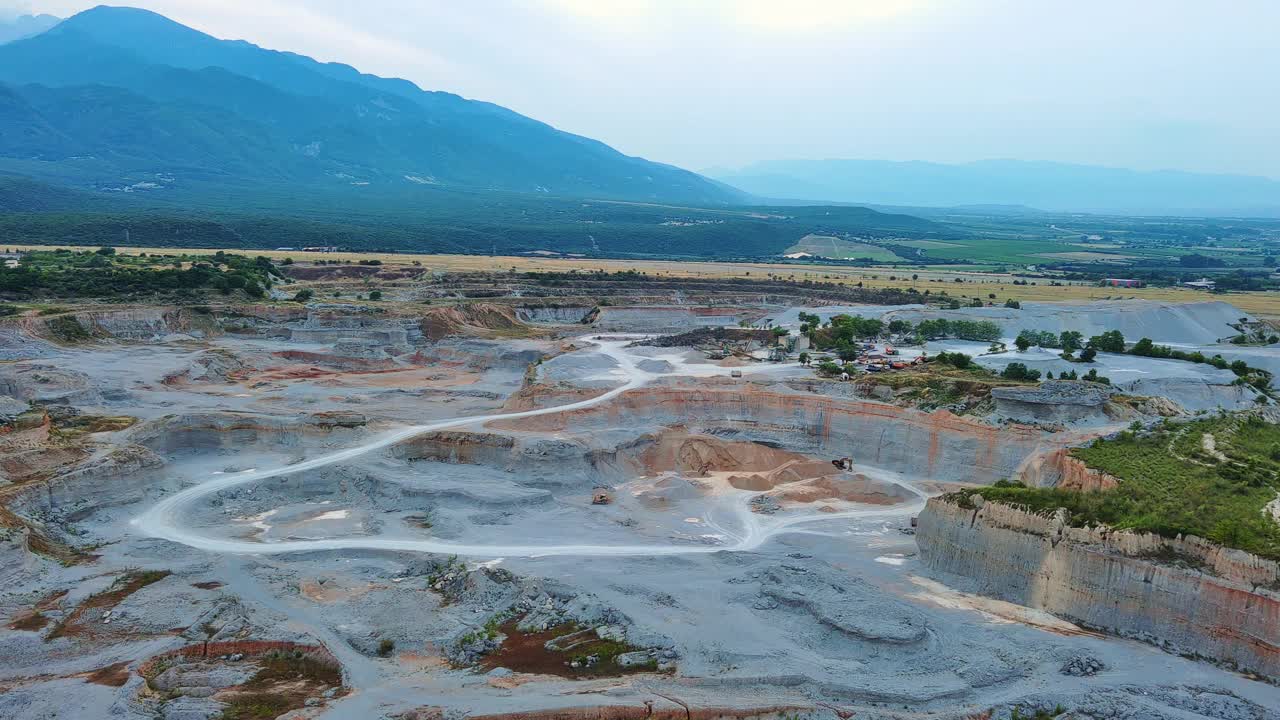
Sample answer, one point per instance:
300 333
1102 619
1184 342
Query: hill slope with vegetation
123 96
1214 478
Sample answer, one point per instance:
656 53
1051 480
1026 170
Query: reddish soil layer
527 653
112 675
643 712
31 622
124 586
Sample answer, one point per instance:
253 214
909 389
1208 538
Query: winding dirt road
751 530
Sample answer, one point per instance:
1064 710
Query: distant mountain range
1043 185
125 99
24 26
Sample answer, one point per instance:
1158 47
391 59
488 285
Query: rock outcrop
1195 394
1187 595
556 315
1058 469
1053 401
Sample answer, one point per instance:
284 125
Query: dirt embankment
746 466
245 678
540 395
1058 469
1187 595
124 323
40 459
475 319
248 648
458 446
145 322
700 455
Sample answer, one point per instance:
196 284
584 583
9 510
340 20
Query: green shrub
1018 371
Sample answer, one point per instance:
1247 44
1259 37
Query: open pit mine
651 507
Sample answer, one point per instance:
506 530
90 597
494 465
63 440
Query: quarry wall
1187 595
935 445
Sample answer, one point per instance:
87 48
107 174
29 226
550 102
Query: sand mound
475 319
701 455
857 488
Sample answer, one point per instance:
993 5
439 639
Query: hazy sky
1185 84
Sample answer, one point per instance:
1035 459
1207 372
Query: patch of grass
451 566
293 666
489 631
284 681
1170 486
606 650
1040 714
422 522
258 706
67 329
151 671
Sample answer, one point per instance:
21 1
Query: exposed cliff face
540 395
567 315
1195 394
116 478
457 446
1187 595
209 431
126 323
937 445
1058 469
673 318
